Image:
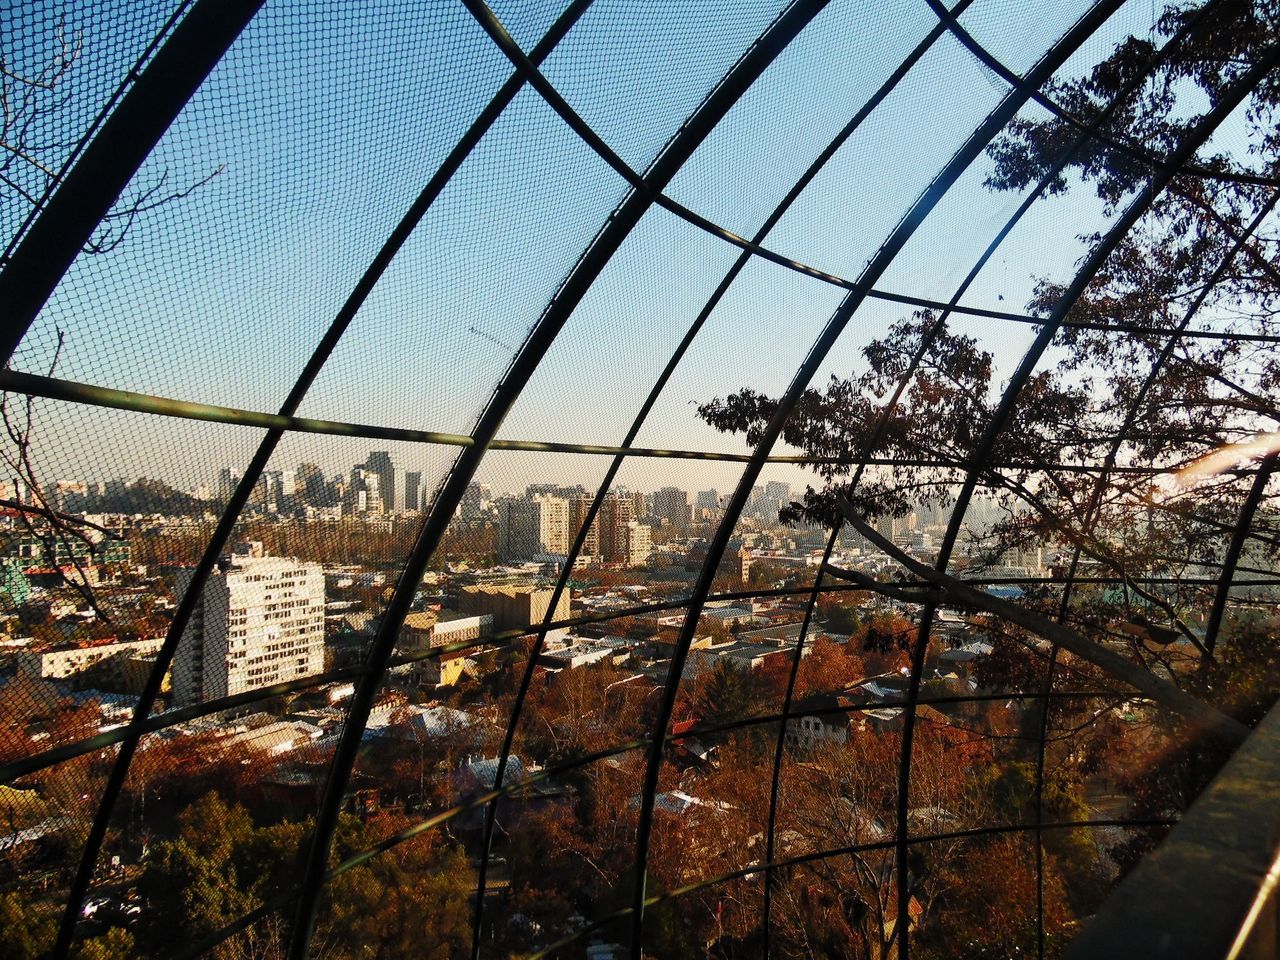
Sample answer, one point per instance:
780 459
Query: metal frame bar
1094 506
1234 95
1231 562
237 501
950 307
491 795
112 158
640 418
85 394
52 756
593 261
475 447
827 854
106 398
895 241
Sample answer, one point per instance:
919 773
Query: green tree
725 695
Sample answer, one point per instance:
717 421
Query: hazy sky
325 127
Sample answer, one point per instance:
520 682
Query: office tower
259 621
269 490
228 480
363 493
379 462
778 490
622 539
530 529
706 504
639 544
412 489
475 501
671 504
578 508
311 486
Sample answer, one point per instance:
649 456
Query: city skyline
215 482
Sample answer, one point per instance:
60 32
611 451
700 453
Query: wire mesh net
732 479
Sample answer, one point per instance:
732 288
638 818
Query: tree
1209 392
219 865
1121 391
39 122
723 694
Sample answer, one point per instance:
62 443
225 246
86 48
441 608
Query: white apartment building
639 544
260 621
60 661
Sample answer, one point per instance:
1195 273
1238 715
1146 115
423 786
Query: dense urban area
215 808
768 480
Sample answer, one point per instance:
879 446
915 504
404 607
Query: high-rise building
475 501
228 480
412 489
639 544
671 504
619 531
311 486
578 509
363 493
892 528
269 490
706 505
259 621
533 528
616 511
70 495
555 490
778 490
379 462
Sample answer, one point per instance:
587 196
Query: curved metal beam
53 756
1229 565
1095 504
34 385
37 207
110 161
1133 151
235 504
598 254
202 947
827 854
932 195
818 164
946 310
1231 98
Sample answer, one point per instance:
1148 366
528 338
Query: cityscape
616 480
94 570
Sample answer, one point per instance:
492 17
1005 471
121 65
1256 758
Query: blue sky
327 121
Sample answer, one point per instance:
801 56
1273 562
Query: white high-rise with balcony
259 622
